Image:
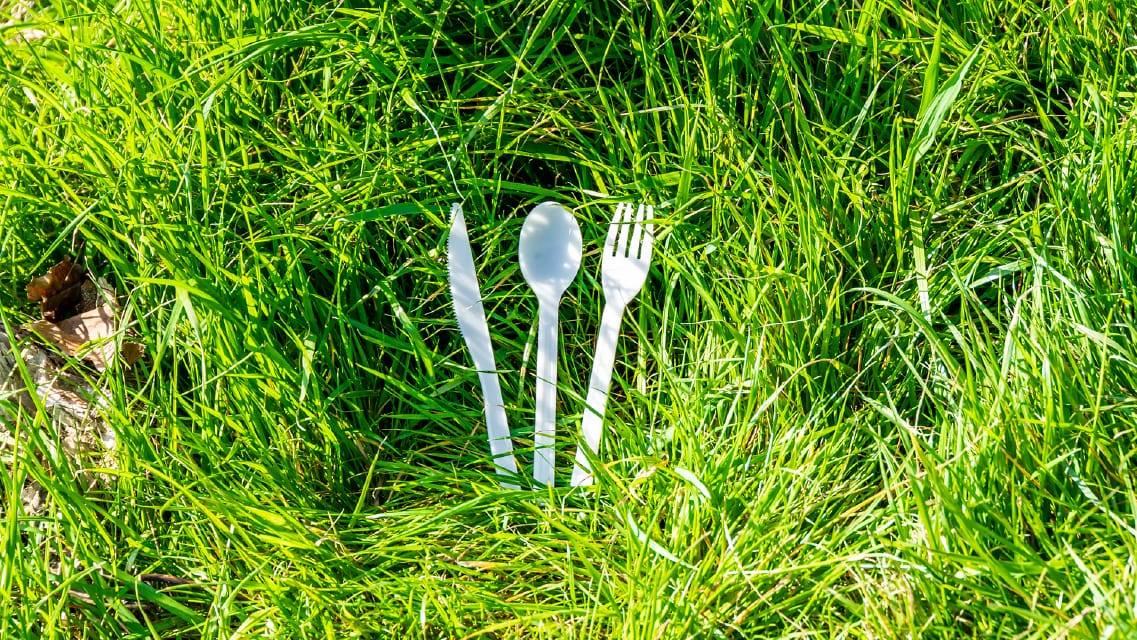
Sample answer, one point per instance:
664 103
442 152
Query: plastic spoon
549 253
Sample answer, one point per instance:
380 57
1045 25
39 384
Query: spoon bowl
550 251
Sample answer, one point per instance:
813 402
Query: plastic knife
467 298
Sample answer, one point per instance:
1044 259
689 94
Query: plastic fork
623 270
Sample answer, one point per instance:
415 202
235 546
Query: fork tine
625 226
637 233
649 236
613 230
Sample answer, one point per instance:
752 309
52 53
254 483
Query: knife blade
471 315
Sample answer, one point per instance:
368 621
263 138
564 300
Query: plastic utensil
549 252
471 315
623 267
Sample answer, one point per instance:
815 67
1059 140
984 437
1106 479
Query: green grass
880 383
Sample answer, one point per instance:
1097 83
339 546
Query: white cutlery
467 298
550 253
624 264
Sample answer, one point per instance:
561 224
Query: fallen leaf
39 288
67 274
72 334
58 278
131 352
60 292
61 305
27 35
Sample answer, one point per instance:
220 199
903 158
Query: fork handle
592 423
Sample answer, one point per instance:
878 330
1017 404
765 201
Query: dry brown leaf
76 312
39 288
25 36
131 352
66 273
60 292
58 278
61 305
20 12
72 334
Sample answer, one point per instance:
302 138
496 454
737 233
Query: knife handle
501 445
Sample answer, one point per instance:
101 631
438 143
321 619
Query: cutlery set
549 253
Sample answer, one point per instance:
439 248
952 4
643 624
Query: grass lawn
881 381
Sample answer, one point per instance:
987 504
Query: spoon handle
545 425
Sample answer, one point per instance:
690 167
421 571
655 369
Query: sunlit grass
880 383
